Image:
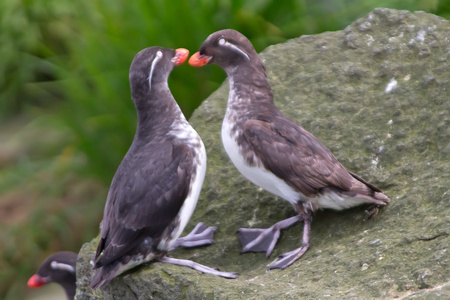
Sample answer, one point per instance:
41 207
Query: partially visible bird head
226 48
59 267
152 66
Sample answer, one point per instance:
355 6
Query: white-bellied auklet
156 187
60 268
274 152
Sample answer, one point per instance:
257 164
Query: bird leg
264 240
201 235
196 266
372 211
287 259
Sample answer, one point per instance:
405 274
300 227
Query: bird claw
287 259
258 240
201 235
199 267
264 240
372 211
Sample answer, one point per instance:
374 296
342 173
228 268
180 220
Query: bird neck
249 87
154 109
69 286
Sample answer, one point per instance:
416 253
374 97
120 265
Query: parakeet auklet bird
59 268
274 152
155 189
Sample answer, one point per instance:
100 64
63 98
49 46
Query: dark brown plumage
274 152
155 189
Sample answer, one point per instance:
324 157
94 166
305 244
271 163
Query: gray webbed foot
287 259
264 240
196 266
201 235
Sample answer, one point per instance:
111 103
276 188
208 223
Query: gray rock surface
377 94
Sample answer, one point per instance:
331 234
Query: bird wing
145 196
296 156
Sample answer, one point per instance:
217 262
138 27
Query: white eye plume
157 58
224 43
63 267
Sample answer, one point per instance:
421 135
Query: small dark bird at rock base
60 267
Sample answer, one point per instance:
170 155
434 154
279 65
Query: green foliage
32 34
44 205
109 33
80 52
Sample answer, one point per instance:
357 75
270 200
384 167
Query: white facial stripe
155 61
223 42
60 266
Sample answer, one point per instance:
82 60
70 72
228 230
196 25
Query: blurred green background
66 116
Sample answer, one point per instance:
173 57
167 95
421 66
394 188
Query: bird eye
222 42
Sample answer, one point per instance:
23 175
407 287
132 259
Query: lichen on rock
377 95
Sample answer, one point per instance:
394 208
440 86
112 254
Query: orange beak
36 281
180 57
198 60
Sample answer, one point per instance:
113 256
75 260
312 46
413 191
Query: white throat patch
155 61
223 42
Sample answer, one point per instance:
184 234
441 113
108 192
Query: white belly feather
271 183
185 132
259 176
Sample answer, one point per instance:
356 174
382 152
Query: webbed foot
264 240
201 235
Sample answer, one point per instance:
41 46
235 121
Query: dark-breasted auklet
274 152
60 268
155 189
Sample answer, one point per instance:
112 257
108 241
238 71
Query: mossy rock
377 94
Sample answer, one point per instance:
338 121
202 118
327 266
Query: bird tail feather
104 275
365 190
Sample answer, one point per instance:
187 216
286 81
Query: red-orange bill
36 281
181 55
198 60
